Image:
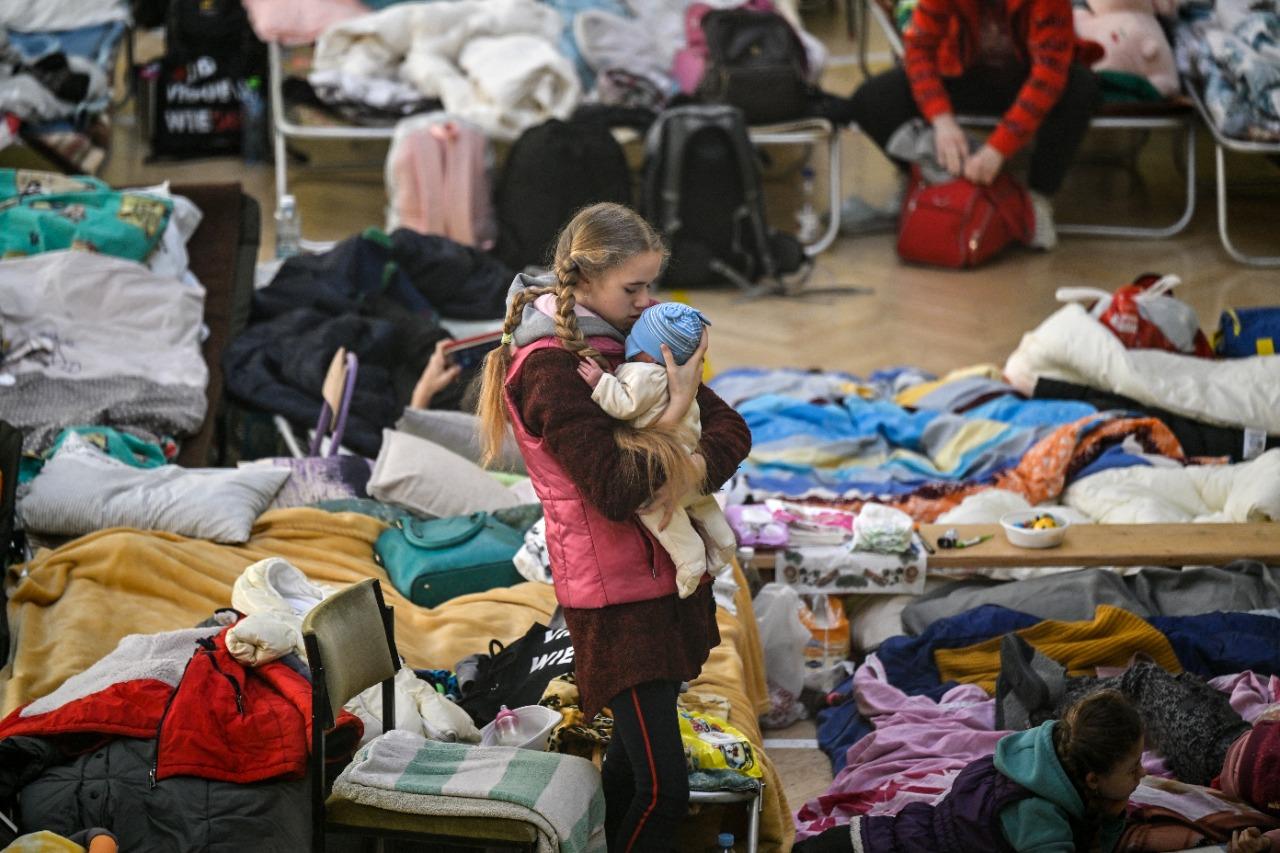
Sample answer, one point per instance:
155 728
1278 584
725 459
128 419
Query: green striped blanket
559 795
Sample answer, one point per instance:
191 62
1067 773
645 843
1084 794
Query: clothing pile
378 296
1229 49
974 670
90 267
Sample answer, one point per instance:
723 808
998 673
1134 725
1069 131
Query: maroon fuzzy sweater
623 645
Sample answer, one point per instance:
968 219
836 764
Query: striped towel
559 795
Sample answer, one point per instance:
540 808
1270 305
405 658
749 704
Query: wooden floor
936 320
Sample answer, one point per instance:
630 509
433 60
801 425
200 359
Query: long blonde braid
567 329
492 406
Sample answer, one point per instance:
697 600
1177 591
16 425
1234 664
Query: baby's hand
590 372
1248 841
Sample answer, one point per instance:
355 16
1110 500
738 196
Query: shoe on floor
1044 236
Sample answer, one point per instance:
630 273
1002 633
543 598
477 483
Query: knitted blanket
1111 638
559 795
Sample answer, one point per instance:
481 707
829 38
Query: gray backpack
702 191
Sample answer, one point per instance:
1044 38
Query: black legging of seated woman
645 778
884 103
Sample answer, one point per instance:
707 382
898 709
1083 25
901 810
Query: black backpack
518 674
210 53
215 28
702 192
554 170
757 63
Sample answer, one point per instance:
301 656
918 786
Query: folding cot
1222 144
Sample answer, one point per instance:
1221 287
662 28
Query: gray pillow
459 432
431 480
81 490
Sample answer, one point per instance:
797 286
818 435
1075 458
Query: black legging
884 103
646 782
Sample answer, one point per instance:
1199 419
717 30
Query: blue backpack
1243 332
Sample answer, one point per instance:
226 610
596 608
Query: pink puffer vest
595 562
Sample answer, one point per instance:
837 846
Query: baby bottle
507 725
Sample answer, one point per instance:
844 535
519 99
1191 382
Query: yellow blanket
77 602
1111 638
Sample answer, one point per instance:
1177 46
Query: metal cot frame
284 129
1222 144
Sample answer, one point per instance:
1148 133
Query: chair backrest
350 646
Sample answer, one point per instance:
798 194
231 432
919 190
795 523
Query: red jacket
223 721
941 41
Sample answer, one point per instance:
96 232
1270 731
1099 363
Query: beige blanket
77 602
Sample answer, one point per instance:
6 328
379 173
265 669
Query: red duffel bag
961 224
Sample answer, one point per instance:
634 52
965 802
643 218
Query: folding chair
350 647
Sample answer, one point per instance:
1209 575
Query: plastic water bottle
508 726
288 228
724 842
807 215
253 115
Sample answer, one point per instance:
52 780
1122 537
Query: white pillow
81 490
170 255
430 480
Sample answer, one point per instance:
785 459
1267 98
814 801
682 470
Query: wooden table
1104 545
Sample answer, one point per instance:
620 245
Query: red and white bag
1145 315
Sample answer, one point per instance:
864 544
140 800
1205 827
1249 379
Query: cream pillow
429 480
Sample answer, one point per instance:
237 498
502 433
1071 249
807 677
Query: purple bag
334 476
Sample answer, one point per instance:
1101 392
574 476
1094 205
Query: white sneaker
1044 235
858 216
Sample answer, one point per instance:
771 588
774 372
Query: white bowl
534 724
1025 537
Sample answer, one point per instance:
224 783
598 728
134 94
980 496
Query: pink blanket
916 751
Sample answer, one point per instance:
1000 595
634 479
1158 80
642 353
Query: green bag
431 562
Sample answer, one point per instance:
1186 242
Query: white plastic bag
882 529
782 635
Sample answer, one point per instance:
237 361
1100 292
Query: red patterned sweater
942 41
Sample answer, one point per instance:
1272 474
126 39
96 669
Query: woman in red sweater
1012 58
634 639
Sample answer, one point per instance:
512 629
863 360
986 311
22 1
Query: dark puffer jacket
109 787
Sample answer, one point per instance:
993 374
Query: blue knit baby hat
672 323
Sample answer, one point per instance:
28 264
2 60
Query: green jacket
1043 823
